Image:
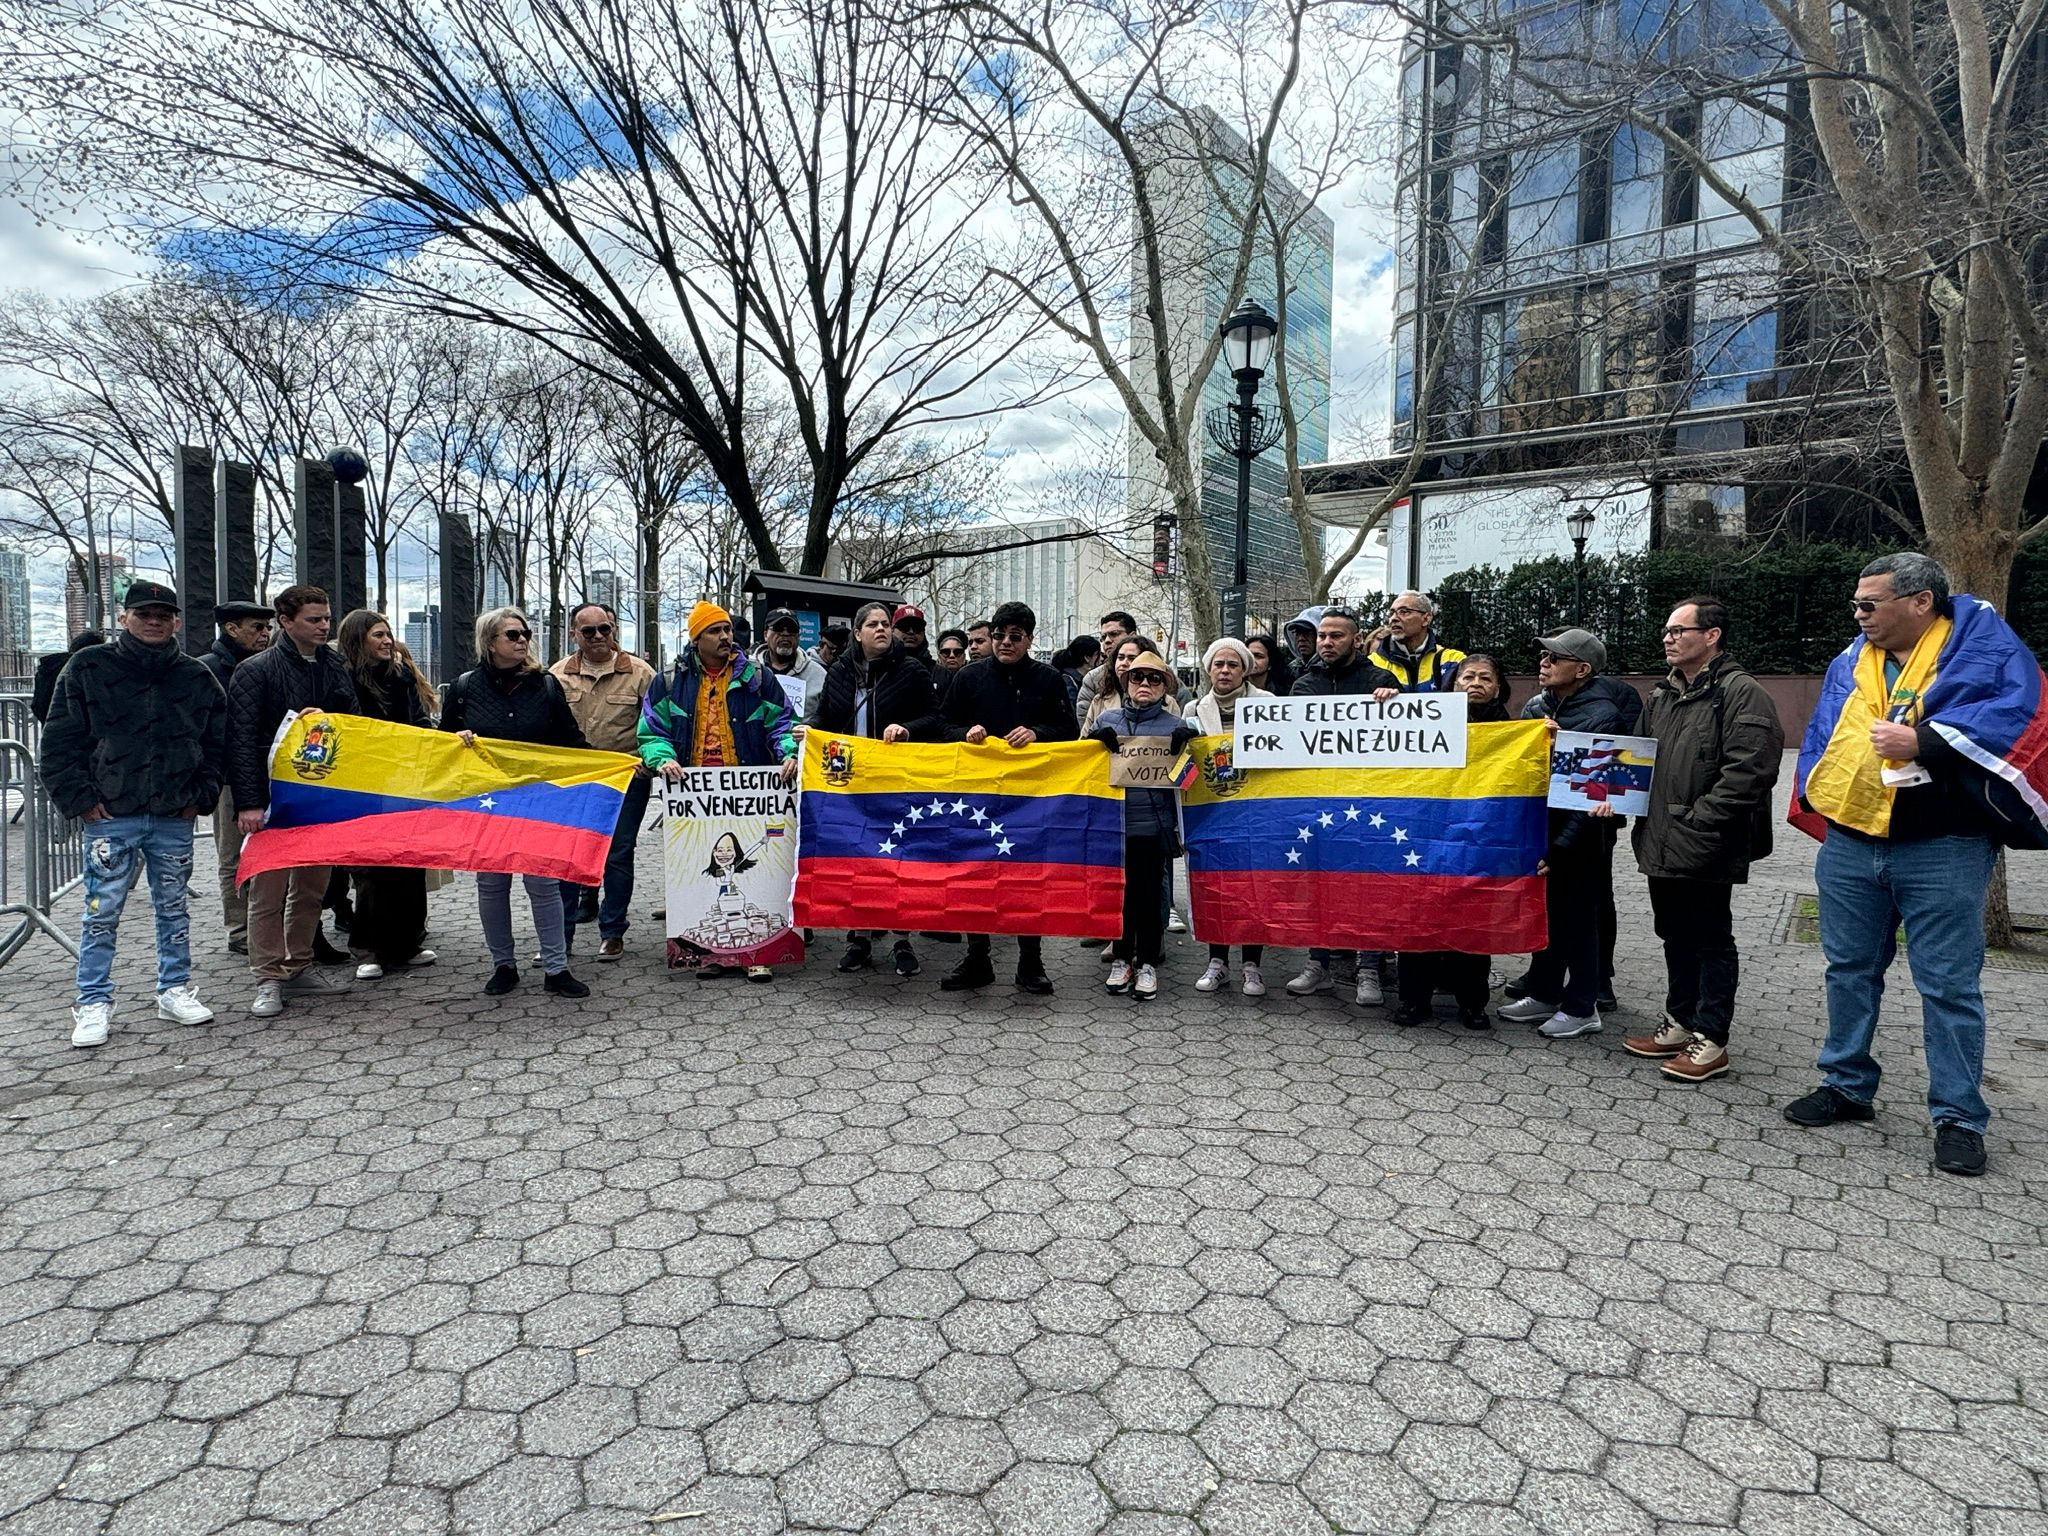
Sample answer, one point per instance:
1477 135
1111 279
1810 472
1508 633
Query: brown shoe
611 949
1669 1040
1700 1060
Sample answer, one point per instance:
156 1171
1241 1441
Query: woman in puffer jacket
1228 664
1151 827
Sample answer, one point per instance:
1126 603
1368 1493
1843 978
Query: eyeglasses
951 650
1151 679
592 631
1672 631
1409 613
1011 636
1865 606
515 634
1553 658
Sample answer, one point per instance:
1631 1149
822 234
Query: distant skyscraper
80 609
605 587
423 638
1199 237
14 600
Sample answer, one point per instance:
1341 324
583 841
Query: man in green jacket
1719 745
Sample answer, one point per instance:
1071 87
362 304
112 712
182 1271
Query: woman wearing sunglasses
509 698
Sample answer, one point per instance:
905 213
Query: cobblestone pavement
848 1254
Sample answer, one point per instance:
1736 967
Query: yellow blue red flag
1373 858
345 789
968 839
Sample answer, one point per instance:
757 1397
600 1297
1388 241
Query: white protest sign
730 856
796 690
1410 730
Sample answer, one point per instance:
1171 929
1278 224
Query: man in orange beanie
717 709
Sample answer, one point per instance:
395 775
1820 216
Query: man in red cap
909 626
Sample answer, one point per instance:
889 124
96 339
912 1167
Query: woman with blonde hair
507 696
390 904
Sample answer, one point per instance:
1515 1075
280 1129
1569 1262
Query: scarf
712 744
1847 784
154 660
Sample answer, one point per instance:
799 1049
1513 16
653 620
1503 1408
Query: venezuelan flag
1373 858
349 790
981 839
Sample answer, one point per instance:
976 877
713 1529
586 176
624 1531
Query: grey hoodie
808 670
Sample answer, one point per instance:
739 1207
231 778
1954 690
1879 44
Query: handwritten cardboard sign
1143 762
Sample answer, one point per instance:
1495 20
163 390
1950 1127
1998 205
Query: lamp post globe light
1579 522
1244 431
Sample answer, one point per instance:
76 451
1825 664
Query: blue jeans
1936 887
618 869
494 908
113 849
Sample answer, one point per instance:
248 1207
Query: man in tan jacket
605 686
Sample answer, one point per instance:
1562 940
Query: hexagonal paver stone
1047 1501
841 1487
647 1470
1360 1493
934 1514
975 1386
1459 1465
761 1439
1157 1472
797 1371
526 1493
872 1411
453 1450
955 1456
1068 1426
321 1479
137 1460
1261 1509
576 1422
198 1501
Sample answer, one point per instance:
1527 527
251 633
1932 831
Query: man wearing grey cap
1565 979
135 750
244 631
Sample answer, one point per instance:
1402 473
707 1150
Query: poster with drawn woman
730 854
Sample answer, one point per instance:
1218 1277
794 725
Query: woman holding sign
1151 825
879 689
1228 664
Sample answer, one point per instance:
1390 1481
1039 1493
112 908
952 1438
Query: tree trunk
650 589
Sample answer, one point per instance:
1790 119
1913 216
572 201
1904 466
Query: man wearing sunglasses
1410 656
781 652
604 686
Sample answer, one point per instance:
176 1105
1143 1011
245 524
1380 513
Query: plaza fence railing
42 851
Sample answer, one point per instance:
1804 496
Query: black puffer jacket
1605 706
391 696
999 699
221 659
528 706
1358 675
266 688
904 694
139 729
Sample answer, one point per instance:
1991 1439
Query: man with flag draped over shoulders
1928 749
717 709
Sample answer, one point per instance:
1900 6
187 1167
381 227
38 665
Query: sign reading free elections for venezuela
1410 730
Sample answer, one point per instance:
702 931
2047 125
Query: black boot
503 980
859 956
974 971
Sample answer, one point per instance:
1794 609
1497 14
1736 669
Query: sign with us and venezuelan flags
1372 858
346 789
968 839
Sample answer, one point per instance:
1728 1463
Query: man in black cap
244 630
135 749
800 673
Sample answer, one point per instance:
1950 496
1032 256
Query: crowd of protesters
142 739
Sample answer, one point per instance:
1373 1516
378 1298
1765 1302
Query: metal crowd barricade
42 852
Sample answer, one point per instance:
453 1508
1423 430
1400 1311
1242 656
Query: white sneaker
1212 978
1173 922
181 1005
1254 983
1565 1026
1527 1010
1314 977
1119 977
369 970
424 957
269 1000
90 1022
1147 984
1369 987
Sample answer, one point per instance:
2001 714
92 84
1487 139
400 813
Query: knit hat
1233 647
704 615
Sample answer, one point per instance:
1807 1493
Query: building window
1596 161
1493 210
1592 339
1491 350
1674 356
1681 182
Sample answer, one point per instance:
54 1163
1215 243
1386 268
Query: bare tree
653 463
753 178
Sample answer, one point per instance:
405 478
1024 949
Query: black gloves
1108 739
1182 735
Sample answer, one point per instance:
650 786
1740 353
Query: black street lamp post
1580 521
1245 431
